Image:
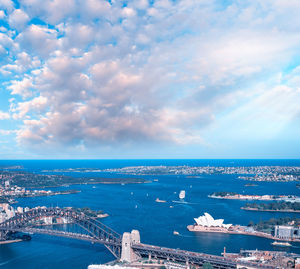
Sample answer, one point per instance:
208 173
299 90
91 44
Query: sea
133 206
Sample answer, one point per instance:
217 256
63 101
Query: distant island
236 196
274 207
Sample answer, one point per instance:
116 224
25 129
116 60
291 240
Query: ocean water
133 206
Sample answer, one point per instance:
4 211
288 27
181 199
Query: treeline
224 193
89 212
268 225
274 206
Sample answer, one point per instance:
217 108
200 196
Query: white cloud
38 40
2 14
18 19
22 87
7 5
37 104
4 115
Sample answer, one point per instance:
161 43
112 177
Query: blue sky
149 79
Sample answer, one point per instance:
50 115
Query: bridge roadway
197 258
84 237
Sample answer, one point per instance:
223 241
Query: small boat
157 200
182 195
281 244
176 233
250 185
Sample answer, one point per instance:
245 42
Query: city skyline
149 79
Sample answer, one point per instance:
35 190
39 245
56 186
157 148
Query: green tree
207 265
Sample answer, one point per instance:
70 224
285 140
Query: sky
106 79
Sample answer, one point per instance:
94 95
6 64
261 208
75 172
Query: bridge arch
97 231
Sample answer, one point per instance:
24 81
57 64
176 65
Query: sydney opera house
208 221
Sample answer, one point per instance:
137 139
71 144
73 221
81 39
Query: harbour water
133 206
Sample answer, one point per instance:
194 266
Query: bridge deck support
128 240
3 235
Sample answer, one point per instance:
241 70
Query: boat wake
184 202
183 235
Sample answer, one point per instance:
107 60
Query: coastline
193 228
270 210
254 197
90 183
11 241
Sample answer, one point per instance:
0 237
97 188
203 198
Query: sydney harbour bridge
126 247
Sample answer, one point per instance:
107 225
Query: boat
182 195
281 244
157 200
250 185
176 233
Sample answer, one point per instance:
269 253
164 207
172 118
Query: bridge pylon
3 235
129 239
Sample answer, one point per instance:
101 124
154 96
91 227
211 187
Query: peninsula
236 196
31 180
288 207
271 229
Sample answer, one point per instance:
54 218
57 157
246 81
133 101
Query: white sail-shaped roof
208 221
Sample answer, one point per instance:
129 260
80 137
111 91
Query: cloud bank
97 73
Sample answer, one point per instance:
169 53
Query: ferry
281 244
182 195
157 200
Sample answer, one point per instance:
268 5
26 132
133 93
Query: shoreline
191 228
90 183
270 210
254 198
11 241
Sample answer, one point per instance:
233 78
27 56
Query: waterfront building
104 266
2 217
48 220
20 209
287 232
